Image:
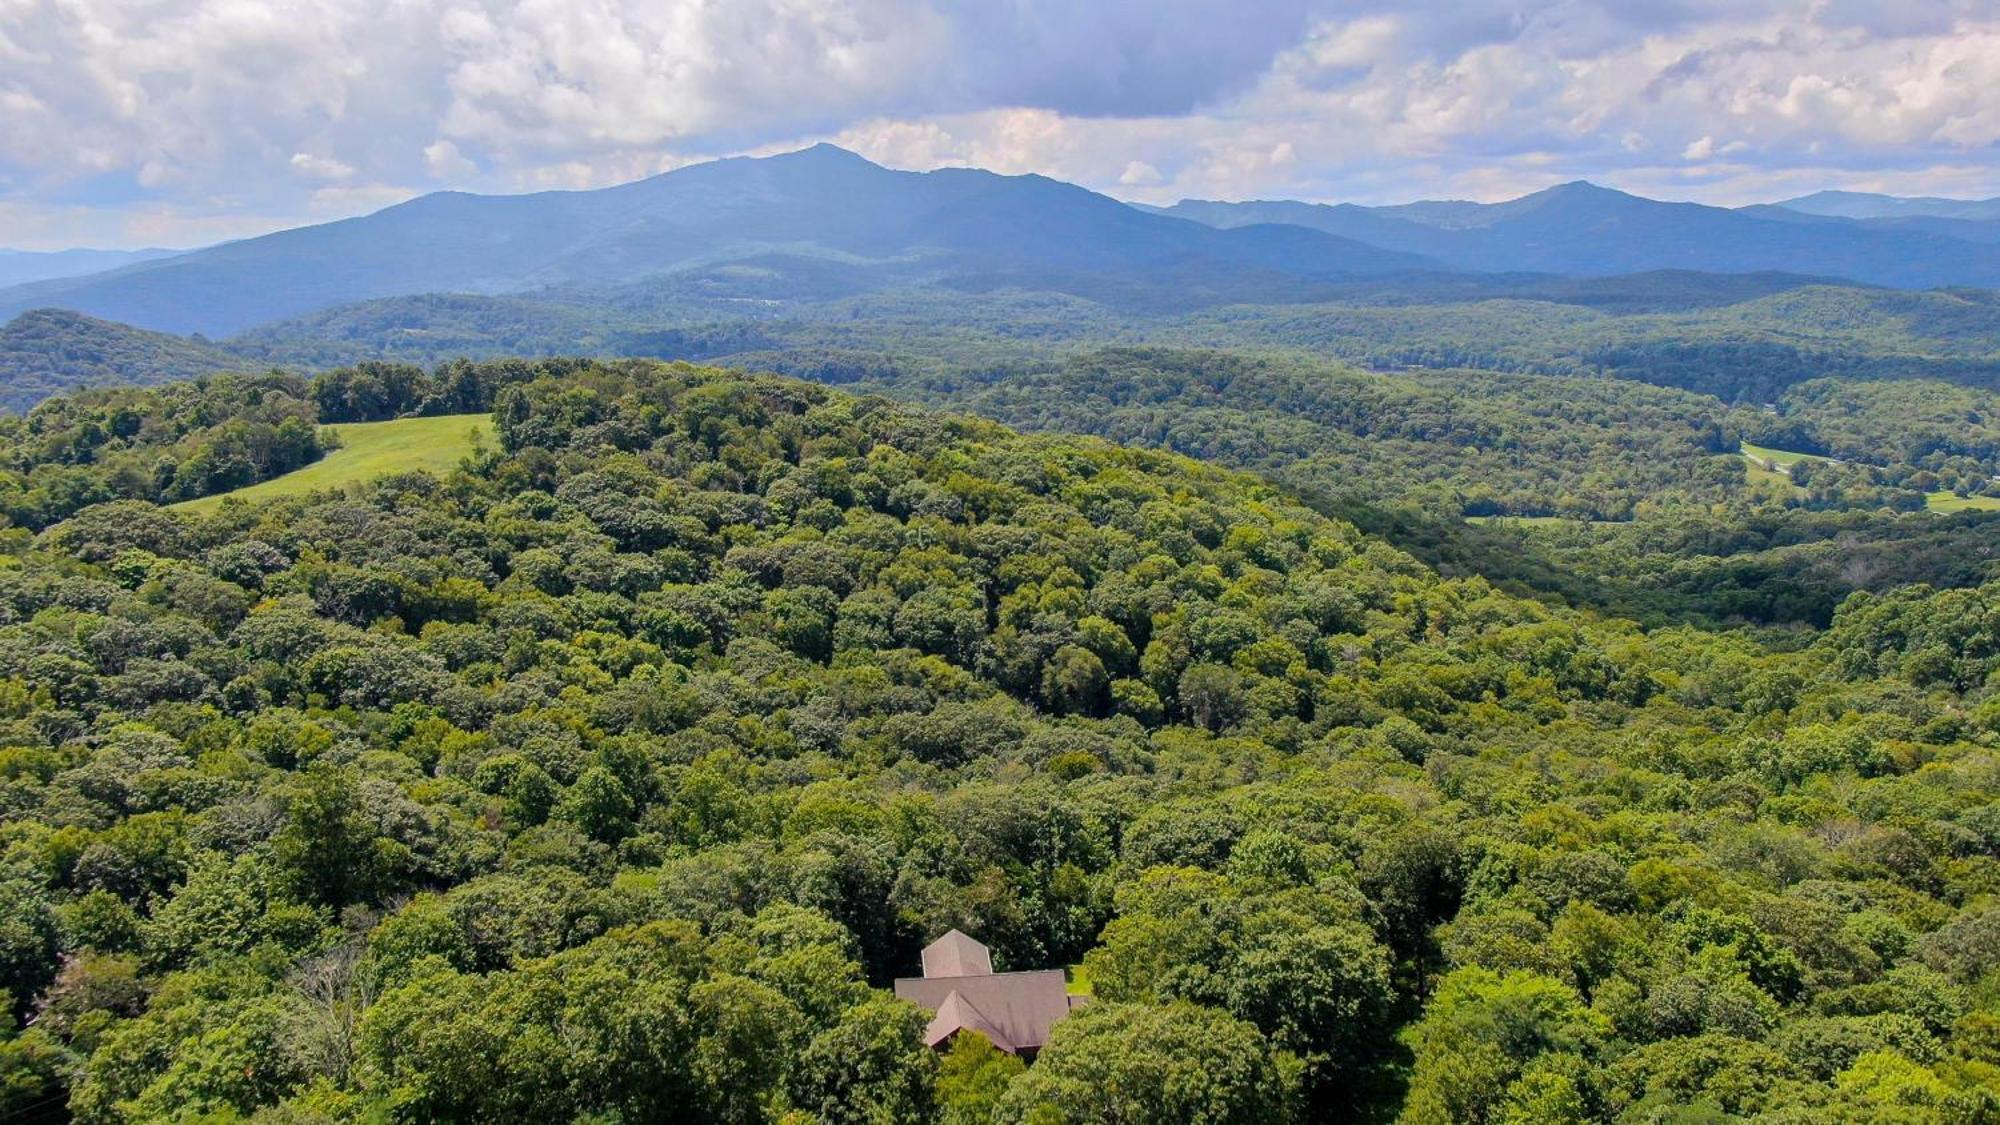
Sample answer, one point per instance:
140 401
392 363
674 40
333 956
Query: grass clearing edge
369 450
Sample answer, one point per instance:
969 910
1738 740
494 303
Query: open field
1771 469
1761 477
369 450
1780 462
1951 502
1783 459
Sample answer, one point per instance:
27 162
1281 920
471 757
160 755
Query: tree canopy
618 773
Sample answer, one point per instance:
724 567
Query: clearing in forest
369 450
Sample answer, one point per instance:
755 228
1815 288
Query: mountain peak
823 153
1579 189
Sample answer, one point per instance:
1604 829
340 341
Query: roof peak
957 954
958 1014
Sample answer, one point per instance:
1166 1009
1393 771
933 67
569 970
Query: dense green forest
613 776
1741 339
1747 352
1662 328
1661 518
1654 514
1485 443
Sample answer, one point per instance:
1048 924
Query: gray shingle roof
957 1014
1022 1007
1014 1010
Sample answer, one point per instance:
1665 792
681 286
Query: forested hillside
1748 351
1740 340
47 351
1744 339
614 776
1640 504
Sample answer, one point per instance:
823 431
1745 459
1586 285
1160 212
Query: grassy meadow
369 450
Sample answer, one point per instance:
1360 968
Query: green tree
1135 1062
1074 682
973 1076
870 1068
1481 1032
598 805
328 849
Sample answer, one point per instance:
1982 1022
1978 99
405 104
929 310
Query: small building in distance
1013 1010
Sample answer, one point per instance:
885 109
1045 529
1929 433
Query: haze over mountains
19 267
822 222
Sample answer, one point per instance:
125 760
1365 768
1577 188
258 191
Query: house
1013 1010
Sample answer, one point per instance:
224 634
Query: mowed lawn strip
1784 459
369 450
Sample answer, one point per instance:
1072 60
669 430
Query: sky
127 123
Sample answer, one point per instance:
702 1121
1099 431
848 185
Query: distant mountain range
821 253
1582 229
1866 205
823 223
18 267
823 206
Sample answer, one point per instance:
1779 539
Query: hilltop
48 351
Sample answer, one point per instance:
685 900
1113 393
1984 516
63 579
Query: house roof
956 955
1015 1010
957 1014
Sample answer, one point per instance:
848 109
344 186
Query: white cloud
1467 100
313 167
1138 173
445 162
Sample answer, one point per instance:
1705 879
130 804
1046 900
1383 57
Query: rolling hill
48 351
1743 337
20 267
